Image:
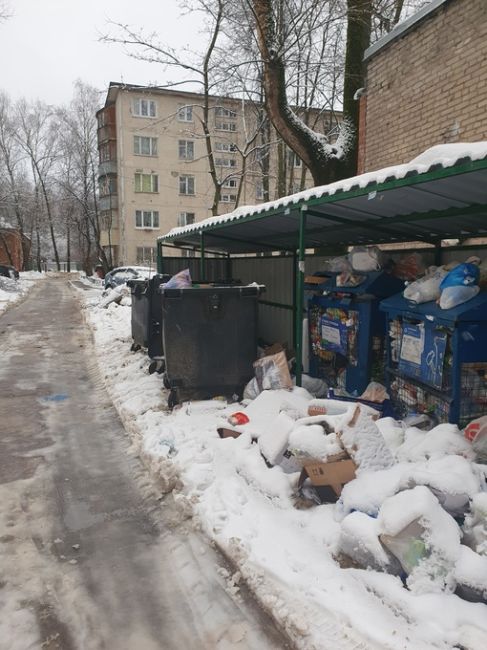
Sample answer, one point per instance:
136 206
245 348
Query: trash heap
410 497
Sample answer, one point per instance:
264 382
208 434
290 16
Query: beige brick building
426 84
154 169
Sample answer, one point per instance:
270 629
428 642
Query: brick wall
11 248
429 86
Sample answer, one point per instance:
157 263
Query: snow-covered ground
287 553
13 290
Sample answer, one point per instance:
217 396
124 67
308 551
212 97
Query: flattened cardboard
332 473
314 279
224 432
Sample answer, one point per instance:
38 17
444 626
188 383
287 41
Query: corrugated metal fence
277 274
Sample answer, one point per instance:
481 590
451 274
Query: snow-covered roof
362 209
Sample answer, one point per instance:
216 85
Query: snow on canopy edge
444 155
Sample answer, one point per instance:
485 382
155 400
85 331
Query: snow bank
286 554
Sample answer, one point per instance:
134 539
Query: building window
225 126
231 183
185 114
225 112
144 108
224 146
294 159
186 185
146 219
228 198
109 220
187 253
105 152
146 255
185 218
186 150
146 182
259 191
107 186
225 162
145 146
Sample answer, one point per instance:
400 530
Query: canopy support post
300 296
160 258
202 256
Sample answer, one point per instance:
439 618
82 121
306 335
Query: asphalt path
90 558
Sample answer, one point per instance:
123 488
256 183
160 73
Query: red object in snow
238 418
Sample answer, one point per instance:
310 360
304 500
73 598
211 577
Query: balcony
107 167
107 132
109 202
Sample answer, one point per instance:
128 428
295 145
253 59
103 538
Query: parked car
121 274
9 271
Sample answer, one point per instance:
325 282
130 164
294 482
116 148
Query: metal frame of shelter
411 203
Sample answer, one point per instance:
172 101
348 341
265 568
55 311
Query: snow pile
423 537
332 575
12 291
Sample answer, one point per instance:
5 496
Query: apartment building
154 170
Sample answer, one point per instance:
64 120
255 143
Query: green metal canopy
390 206
442 194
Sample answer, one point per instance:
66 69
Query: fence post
299 302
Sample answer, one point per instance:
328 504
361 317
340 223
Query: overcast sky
47 44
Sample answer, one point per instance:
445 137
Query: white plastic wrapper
365 258
427 288
454 296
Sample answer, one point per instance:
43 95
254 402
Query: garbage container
146 314
210 340
347 330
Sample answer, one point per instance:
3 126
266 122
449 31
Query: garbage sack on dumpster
426 288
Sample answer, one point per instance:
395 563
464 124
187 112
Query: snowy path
88 557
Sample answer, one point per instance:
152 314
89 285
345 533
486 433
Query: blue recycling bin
437 358
347 330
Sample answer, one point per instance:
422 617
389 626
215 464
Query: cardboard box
315 279
328 478
224 432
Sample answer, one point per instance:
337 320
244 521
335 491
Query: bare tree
38 137
4 11
15 195
78 171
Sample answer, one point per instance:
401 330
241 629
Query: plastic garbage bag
365 258
359 540
475 526
339 264
476 432
375 392
272 372
453 296
463 275
425 539
181 280
426 288
409 267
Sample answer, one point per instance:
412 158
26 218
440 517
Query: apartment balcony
109 202
107 167
107 132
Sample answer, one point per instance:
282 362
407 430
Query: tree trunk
292 130
359 16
